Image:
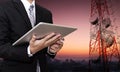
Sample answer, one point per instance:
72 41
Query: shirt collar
27 4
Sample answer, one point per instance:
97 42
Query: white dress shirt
27 6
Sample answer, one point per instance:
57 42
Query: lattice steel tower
103 47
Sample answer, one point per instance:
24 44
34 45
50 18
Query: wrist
33 50
29 52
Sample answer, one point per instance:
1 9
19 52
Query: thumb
33 38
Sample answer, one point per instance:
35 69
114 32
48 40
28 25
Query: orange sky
73 13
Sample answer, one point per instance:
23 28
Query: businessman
16 18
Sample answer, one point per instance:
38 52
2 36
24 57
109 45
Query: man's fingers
49 36
53 39
60 41
55 48
33 38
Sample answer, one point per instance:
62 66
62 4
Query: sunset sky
75 13
72 13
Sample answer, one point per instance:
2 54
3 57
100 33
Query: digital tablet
43 29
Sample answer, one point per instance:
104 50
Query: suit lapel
38 15
41 16
19 6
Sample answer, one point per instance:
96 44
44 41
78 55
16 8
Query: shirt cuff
50 53
28 52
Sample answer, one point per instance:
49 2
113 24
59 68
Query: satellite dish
106 22
108 40
94 21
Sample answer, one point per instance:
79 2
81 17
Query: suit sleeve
7 51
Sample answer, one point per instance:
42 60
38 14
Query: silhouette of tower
103 47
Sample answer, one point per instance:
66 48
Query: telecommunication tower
103 47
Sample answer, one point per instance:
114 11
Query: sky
76 14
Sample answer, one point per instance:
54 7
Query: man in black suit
15 22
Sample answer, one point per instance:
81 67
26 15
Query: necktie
32 20
31 15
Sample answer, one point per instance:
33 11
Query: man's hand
55 47
37 44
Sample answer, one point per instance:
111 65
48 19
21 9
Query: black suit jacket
14 23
